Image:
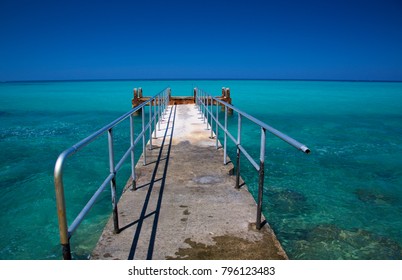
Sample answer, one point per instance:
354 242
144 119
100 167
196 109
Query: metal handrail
160 100
205 103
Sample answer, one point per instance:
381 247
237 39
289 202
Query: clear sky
154 39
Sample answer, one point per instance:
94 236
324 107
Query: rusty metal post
144 150
133 175
63 227
261 179
217 126
61 206
212 119
150 124
225 137
113 182
159 112
135 101
195 95
227 93
223 98
135 93
155 119
238 152
228 100
140 92
203 109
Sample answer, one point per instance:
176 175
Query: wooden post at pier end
226 97
136 100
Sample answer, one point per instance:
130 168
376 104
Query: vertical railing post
207 112
159 112
61 210
225 136
197 103
163 105
133 176
113 182
144 150
207 109
154 118
150 125
261 179
216 125
210 112
203 104
196 97
238 151
200 99
223 97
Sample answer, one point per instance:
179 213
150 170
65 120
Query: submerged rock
287 201
327 241
372 196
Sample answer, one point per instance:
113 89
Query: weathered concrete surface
186 206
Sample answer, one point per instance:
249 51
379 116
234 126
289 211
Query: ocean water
342 201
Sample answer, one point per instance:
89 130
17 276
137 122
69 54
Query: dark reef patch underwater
328 241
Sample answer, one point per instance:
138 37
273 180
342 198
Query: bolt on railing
160 100
205 103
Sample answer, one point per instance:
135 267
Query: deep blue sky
320 39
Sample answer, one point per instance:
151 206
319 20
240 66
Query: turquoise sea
342 201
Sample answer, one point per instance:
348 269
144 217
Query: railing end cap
305 149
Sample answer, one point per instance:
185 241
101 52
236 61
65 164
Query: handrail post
150 124
204 107
113 182
198 100
61 209
216 125
168 96
159 112
211 113
154 118
162 100
207 111
167 100
238 151
225 137
261 179
133 176
144 150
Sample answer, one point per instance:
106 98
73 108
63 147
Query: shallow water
343 201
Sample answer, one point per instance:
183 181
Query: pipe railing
205 103
157 106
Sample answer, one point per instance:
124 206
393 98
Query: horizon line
197 79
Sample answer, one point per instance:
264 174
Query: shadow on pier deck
185 205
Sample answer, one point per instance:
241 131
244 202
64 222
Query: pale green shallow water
343 201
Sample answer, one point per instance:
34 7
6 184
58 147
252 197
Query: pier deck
186 206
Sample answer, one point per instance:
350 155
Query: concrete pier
186 206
